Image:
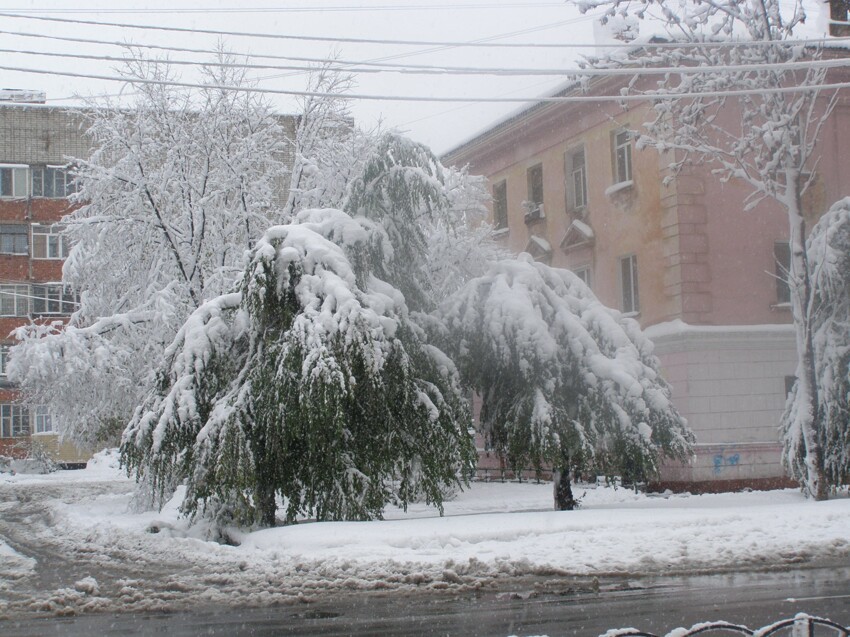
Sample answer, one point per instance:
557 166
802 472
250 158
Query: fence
801 625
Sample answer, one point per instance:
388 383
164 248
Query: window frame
500 204
48 232
572 173
57 300
782 271
20 294
585 274
61 182
19 179
622 166
14 421
41 420
4 359
629 288
534 178
13 232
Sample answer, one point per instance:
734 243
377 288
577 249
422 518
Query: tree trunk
267 506
564 500
807 387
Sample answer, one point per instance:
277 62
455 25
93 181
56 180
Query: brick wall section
39 134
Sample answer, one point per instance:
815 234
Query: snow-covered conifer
563 379
311 384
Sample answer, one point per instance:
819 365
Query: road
146 586
530 607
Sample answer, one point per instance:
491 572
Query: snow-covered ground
489 533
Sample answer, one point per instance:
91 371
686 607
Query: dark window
13 238
53 299
782 260
535 185
52 182
500 205
629 284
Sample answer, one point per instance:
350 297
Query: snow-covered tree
764 136
828 250
328 148
563 379
176 189
310 384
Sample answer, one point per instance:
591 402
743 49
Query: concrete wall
729 382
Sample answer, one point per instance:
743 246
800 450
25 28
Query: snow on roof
582 227
540 243
678 327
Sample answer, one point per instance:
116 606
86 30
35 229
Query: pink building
697 271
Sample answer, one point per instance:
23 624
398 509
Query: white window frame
42 421
19 181
622 145
4 359
576 179
49 242
629 290
14 232
15 297
14 420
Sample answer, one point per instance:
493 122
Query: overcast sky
440 125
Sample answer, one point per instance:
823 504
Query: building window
42 422
584 274
500 205
535 185
14 300
13 181
53 299
576 180
782 260
4 359
14 421
629 284
623 156
52 181
48 242
13 238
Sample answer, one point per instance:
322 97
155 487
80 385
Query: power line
466 71
661 95
476 44
311 9
279 36
383 66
